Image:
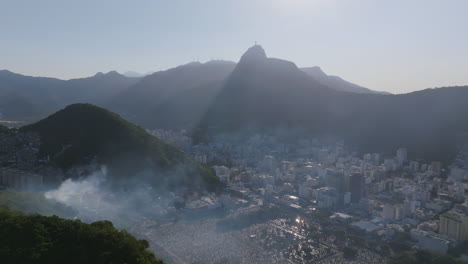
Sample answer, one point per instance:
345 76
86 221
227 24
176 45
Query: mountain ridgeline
264 93
27 98
257 93
84 133
173 98
335 82
185 91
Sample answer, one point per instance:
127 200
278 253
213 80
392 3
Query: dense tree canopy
37 239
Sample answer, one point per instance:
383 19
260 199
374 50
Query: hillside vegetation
36 239
81 133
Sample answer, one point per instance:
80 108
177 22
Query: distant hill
75 135
132 74
25 97
97 89
140 103
336 82
185 110
28 98
43 240
263 93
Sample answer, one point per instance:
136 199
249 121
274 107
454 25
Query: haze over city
394 46
227 132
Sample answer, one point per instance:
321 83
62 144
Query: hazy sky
391 45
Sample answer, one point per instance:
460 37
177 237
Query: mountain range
141 102
264 93
139 97
257 92
28 98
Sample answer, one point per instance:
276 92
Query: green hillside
80 132
36 239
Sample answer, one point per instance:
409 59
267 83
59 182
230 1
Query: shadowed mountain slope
82 133
264 93
336 82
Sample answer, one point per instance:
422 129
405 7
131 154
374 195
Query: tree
36 239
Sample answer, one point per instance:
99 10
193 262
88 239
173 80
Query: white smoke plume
95 200
72 192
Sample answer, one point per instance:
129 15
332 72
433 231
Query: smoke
94 199
73 192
